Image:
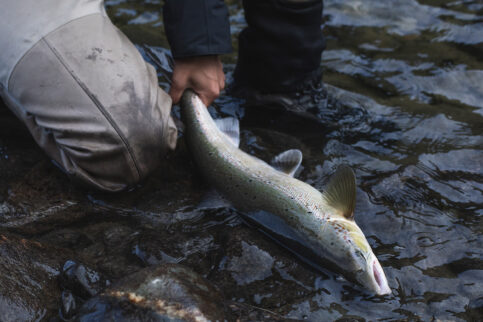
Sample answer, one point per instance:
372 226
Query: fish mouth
380 278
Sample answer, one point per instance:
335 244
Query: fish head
359 262
348 245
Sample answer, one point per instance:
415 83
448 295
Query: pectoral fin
287 162
231 128
340 193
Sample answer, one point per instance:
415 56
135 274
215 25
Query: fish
317 227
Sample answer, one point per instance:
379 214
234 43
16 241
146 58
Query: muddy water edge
408 76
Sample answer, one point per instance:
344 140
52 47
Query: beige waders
83 90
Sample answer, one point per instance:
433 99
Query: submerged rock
28 280
66 238
42 200
194 250
166 292
258 273
69 305
81 280
108 250
254 264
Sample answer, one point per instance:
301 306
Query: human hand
203 74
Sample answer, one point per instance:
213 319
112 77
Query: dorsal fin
340 193
287 162
231 128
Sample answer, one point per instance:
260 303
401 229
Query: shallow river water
409 75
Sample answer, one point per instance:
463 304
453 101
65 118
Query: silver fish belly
287 207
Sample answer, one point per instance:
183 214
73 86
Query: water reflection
422 81
408 17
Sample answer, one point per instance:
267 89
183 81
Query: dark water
411 74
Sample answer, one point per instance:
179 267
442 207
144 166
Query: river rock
81 280
252 267
169 292
41 200
153 248
69 305
29 289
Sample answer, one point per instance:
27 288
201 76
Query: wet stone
165 292
109 251
158 247
29 287
116 235
41 200
81 280
69 305
68 238
254 264
257 272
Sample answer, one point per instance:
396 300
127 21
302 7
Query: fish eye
360 257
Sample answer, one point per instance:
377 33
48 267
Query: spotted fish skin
294 208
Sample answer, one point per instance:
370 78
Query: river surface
409 75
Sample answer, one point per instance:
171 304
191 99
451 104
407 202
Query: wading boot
279 56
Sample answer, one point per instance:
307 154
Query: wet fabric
279 51
22 25
281 48
196 28
91 102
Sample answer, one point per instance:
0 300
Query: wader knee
92 103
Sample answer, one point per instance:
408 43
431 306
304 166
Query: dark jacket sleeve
197 27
